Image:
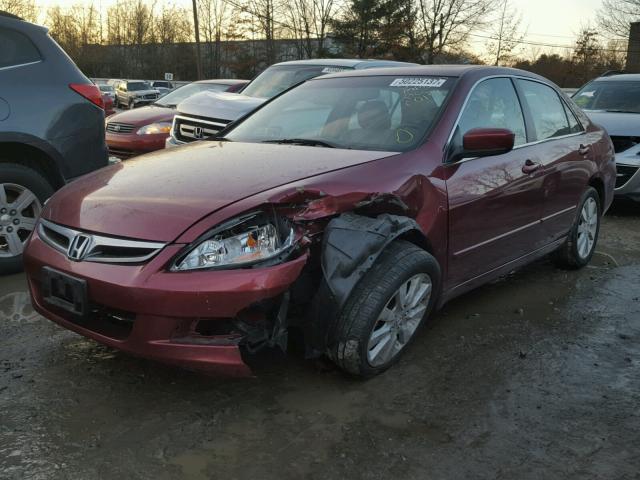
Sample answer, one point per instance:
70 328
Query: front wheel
385 310
580 245
131 105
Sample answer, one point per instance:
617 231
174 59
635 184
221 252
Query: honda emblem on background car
197 132
79 247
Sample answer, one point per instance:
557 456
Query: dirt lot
535 376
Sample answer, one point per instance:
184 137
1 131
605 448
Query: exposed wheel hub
19 209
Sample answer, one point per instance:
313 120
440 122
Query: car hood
158 196
617 124
144 116
220 105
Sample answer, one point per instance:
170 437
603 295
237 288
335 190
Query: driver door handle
584 149
530 167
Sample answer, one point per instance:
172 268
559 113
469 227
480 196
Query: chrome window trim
528 144
10 67
98 241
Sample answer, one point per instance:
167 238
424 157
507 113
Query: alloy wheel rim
399 320
19 210
587 228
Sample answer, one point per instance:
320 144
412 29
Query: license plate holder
65 291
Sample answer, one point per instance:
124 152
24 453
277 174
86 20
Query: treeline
144 39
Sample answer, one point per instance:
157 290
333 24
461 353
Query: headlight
244 241
160 127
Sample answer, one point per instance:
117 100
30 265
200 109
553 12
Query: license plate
64 291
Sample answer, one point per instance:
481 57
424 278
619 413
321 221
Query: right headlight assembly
240 242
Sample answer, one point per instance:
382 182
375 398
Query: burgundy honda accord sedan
346 209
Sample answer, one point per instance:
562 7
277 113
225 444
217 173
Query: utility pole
197 28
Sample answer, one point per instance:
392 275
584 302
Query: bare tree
446 24
615 16
25 9
214 15
505 32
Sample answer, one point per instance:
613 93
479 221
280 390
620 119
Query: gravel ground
536 376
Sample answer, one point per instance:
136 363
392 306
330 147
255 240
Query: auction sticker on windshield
418 82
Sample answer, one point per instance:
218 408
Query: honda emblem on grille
116 128
197 132
79 247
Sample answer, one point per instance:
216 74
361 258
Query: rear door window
547 110
16 49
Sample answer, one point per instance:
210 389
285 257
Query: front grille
150 96
96 248
115 127
621 144
624 174
187 129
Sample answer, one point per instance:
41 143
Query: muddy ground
536 376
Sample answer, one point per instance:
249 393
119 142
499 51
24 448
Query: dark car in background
349 208
613 101
206 114
145 129
51 129
134 93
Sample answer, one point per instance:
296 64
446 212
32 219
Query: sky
545 21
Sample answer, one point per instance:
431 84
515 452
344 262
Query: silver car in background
613 101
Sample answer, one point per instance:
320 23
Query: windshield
172 99
162 84
615 96
365 113
105 88
137 86
275 80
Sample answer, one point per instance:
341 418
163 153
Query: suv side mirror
484 142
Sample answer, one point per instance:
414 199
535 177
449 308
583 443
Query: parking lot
534 376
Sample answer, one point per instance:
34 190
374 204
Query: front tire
385 310
23 191
581 242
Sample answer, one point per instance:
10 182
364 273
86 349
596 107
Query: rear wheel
581 242
385 310
22 194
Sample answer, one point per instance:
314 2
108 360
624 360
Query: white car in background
613 101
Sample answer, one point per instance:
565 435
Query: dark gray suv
51 129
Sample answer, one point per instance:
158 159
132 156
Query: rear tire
374 313
17 220
581 242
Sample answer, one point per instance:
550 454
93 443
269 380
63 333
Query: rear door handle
530 167
584 149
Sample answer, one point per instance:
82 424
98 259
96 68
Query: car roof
357 63
438 70
620 77
9 20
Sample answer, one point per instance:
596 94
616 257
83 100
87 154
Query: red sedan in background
348 207
145 129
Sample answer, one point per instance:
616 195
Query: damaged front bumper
189 319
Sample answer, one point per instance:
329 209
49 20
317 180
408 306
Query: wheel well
34 158
598 184
418 239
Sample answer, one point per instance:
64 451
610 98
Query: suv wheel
581 242
385 310
131 104
22 194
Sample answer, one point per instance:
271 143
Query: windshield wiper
302 141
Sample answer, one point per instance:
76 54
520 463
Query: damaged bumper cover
179 318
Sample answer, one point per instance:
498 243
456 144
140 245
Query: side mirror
484 142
